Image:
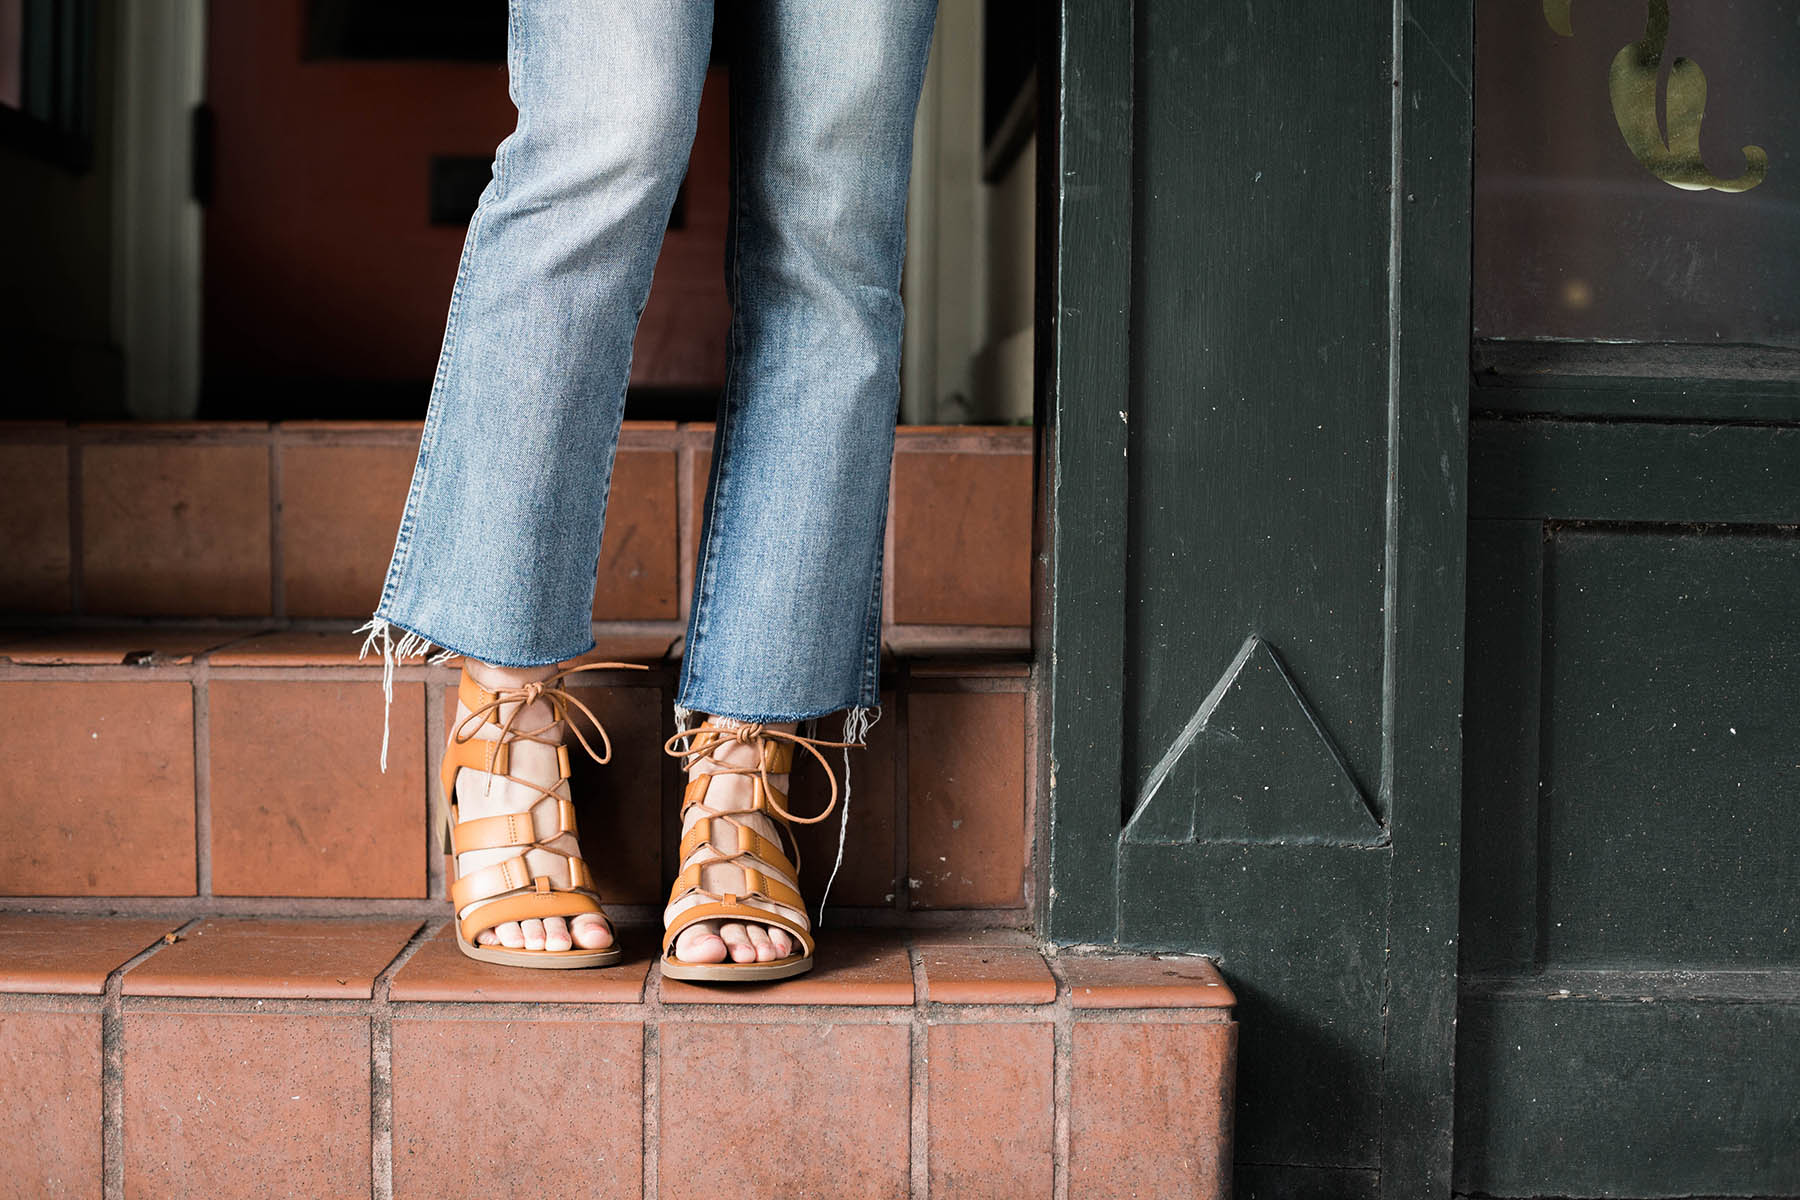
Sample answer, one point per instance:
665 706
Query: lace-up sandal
768 882
507 890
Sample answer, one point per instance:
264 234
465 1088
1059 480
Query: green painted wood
1634 471
1670 759
1258 432
1253 765
1501 716
1083 655
1253 1181
1638 400
1296 931
1427 514
1650 1097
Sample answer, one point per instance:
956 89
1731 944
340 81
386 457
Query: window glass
1614 196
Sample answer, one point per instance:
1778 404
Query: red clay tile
993 936
299 807
638 550
962 538
108 809
966 799
175 529
986 975
303 959
34 528
996 665
113 647
850 967
991 1103
1150 1109
1121 981
293 648
830 1101
439 971
50 1068
618 805
451 1077
340 509
867 877
228 1104
44 952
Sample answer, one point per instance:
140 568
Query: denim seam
705 570
434 415
449 648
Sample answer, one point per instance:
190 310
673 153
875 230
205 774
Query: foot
481 795
739 941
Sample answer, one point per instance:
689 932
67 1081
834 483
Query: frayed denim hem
414 644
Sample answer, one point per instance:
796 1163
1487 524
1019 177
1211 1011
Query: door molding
1324 932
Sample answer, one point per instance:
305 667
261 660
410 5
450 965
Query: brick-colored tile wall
514 1081
175 529
966 795
340 510
50 1067
219 1104
34 528
107 806
531 1108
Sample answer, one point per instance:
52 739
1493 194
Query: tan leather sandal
507 890
768 882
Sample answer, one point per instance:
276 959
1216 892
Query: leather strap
512 829
749 842
756 883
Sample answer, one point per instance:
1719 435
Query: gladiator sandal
767 891
507 890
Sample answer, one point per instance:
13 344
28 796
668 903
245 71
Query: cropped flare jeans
498 545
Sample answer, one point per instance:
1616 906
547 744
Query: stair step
237 768
337 1057
250 519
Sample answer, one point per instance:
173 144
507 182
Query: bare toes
699 943
765 949
534 933
486 938
590 932
781 940
556 934
510 935
738 939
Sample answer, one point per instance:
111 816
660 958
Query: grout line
381 1067
1063 1087
902 791
202 702
277 592
921 1080
685 516
77 529
112 1070
652 1089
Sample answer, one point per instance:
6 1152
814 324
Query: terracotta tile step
356 1058
247 519
236 767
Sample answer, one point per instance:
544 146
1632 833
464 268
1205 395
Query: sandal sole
787 968
540 960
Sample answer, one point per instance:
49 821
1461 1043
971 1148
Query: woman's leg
498 545
786 617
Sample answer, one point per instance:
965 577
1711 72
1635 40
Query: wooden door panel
1628 1092
1631 853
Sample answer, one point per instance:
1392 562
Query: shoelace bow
560 701
703 741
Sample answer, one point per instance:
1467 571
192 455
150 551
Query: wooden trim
1431 186
1089 378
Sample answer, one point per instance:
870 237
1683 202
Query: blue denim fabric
497 548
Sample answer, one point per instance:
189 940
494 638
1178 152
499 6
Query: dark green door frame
1255 447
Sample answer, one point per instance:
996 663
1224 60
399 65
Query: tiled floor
325 1058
